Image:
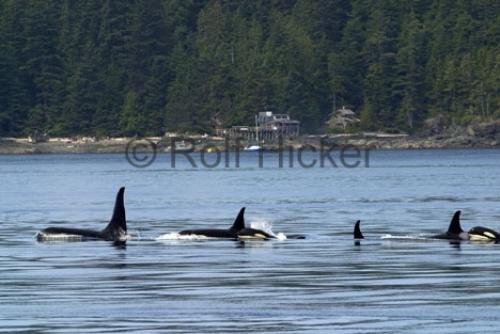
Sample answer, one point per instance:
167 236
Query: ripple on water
394 281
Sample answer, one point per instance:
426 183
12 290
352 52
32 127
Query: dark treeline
109 67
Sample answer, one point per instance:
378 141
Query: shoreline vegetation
480 135
144 68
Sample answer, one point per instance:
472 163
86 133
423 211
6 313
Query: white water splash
42 236
281 236
405 237
177 236
268 228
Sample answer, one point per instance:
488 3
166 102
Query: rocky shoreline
480 135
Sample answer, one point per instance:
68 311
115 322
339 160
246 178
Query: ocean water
395 281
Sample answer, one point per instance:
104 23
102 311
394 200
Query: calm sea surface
322 284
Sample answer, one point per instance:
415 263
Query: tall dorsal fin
455 227
357 231
118 220
239 222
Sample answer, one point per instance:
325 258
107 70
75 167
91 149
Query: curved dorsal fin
455 227
239 222
357 231
118 220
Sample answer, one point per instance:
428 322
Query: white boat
252 148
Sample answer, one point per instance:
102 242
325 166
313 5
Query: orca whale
116 230
477 233
248 233
455 231
237 231
357 231
230 233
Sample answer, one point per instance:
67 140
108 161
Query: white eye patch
489 234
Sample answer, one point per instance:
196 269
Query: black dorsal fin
357 231
239 222
118 220
455 227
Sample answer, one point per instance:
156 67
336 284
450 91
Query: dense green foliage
109 67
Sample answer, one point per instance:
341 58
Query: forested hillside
109 67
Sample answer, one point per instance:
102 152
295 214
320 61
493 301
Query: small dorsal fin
239 222
118 220
455 227
357 231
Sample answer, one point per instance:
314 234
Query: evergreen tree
106 68
42 62
409 85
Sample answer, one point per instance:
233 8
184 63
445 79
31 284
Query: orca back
211 233
231 233
67 234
